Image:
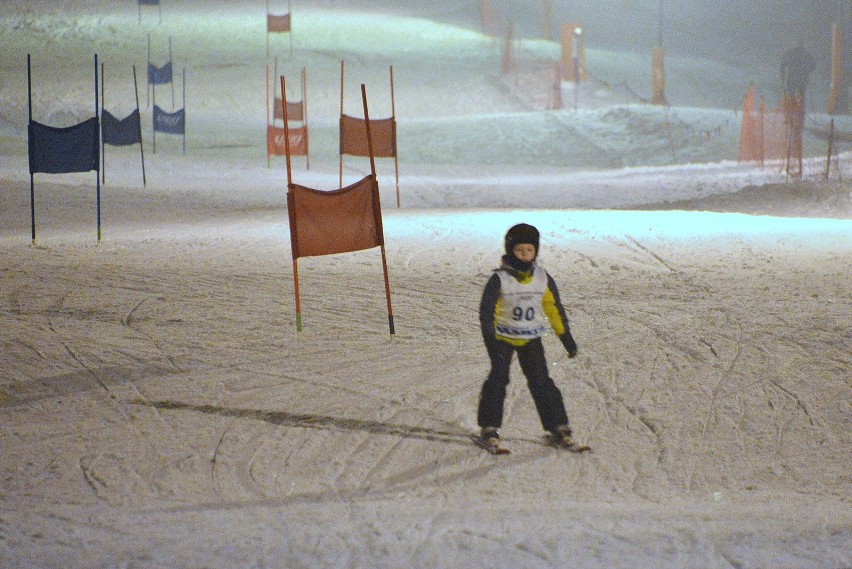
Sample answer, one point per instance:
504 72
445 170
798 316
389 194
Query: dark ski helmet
521 233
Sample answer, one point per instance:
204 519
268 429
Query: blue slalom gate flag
170 123
63 150
149 2
121 132
159 75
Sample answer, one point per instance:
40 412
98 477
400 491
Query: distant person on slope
796 66
518 300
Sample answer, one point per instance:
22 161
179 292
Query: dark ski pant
547 397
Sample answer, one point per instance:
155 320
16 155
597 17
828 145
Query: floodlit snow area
158 408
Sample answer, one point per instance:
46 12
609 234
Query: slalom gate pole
395 154
340 185
369 135
377 208
103 106
830 151
141 149
183 86
762 129
291 206
173 72
32 178
387 289
298 297
148 85
269 120
154 122
97 176
294 246
305 118
286 129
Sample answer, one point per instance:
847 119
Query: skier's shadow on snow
320 422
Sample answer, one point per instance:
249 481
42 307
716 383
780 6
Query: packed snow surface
159 408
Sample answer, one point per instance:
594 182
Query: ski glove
569 343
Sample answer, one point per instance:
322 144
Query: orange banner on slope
339 221
277 24
295 111
749 147
275 141
353 137
772 134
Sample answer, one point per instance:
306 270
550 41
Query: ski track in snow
200 398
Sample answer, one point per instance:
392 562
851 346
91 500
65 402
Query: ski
577 448
493 446
573 447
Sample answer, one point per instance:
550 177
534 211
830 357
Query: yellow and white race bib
521 316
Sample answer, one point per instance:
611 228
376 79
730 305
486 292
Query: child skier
519 298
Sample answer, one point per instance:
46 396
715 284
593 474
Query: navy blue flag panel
121 132
170 123
62 150
149 2
159 75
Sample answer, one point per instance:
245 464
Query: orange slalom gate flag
353 137
295 111
749 149
275 137
339 221
277 24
